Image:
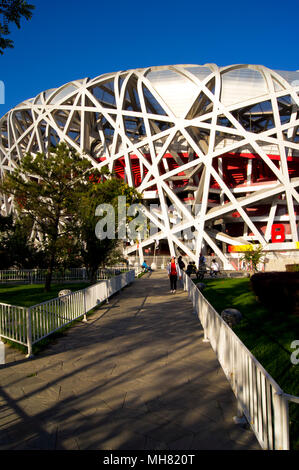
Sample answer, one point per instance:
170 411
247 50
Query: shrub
277 290
292 267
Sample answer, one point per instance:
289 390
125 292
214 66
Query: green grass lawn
31 294
267 334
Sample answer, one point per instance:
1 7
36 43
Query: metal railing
32 276
27 326
36 276
14 323
259 397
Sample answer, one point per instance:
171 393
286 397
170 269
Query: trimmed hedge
292 267
277 290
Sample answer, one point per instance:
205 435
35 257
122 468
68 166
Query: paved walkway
136 376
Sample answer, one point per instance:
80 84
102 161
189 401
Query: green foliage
254 256
278 291
16 248
292 267
58 195
96 252
12 11
46 191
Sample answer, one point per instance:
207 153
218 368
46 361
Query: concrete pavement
136 376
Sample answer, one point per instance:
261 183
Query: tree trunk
50 270
92 274
53 250
49 274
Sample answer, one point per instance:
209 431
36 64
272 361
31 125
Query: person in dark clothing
202 269
202 261
181 263
200 273
191 268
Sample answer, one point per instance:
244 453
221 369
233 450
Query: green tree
12 11
45 189
59 194
68 253
254 256
16 248
6 231
24 253
97 252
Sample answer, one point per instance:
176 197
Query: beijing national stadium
215 151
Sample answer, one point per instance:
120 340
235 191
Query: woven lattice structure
216 149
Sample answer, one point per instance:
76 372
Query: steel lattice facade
216 149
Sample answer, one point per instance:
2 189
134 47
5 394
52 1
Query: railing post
84 305
205 323
285 423
185 281
281 422
107 281
29 333
2 352
240 418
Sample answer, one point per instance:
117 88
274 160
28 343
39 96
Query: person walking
174 271
181 263
214 270
182 268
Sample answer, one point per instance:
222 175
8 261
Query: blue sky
71 39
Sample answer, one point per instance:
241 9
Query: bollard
2 352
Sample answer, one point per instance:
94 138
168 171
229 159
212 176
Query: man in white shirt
214 268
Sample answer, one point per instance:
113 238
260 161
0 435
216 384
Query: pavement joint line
89 323
142 305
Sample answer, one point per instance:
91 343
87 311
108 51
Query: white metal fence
32 276
27 326
14 323
264 404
